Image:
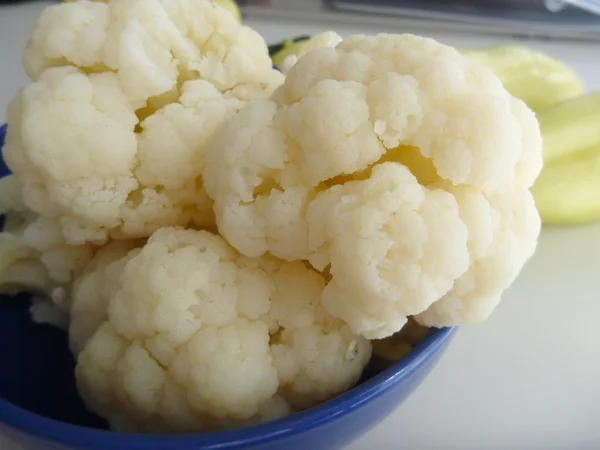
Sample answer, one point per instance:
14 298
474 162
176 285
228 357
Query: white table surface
529 378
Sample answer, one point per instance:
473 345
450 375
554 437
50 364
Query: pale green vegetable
571 126
534 77
568 189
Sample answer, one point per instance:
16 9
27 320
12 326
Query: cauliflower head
109 138
197 337
395 166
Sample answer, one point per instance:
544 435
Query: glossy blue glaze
3 169
40 409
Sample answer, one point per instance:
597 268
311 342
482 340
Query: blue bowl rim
64 433
67 434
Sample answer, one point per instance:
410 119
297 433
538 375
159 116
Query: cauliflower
395 166
109 139
197 337
62 260
36 259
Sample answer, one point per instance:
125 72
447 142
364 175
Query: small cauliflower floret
21 270
200 338
63 261
110 136
93 289
394 248
356 164
49 268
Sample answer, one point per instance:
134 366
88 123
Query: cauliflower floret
356 164
36 257
25 267
505 228
63 261
109 138
93 289
200 338
394 248
21 270
55 262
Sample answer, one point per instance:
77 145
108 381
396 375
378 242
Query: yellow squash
568 189
534 77
570 126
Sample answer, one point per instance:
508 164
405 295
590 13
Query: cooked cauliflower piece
109 138
395 166
92 290
25 266
197 337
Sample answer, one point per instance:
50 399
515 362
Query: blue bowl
40 408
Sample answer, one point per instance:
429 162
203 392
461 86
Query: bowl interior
37 367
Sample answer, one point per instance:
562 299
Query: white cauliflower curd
109 138
395 166
196 337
